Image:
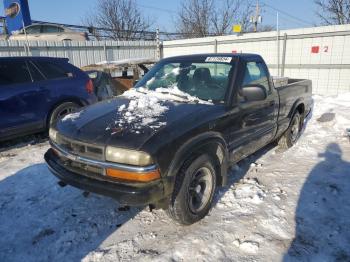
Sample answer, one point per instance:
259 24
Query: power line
286 19
157 8
140 32
287 14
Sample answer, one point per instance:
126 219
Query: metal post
27 49
215 46
215 52
105 50
278 46
284 53
8 47
158 44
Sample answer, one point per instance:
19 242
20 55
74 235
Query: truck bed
294 92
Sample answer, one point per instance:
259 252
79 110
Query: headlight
53 134
126 156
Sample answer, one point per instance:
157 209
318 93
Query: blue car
37 91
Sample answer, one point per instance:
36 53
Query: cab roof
204 55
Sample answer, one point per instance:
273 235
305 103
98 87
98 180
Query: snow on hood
143 110
146 106
171 93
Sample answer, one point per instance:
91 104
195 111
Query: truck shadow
42 222
245 164
237 172
322 215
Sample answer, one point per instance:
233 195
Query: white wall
329 69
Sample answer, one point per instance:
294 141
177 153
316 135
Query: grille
86 170
80 148
80 168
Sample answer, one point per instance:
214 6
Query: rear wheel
292 134
63 110
194 191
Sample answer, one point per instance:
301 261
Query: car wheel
63 110
194 190
292 134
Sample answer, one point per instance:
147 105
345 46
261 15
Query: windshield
207 79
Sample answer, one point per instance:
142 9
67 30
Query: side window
52 29
256 74
14 73
34 72
35 29
52 71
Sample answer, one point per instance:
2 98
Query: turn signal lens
135 177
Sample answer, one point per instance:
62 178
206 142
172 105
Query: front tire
194 190
291 136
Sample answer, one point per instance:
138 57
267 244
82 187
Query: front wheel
292 134
194 190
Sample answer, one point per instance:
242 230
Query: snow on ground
279 206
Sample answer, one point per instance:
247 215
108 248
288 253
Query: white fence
321 54
81 53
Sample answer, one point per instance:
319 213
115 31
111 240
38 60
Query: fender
297 103
193 145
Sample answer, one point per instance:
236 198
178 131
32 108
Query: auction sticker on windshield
218 59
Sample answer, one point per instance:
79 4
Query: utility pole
255 20
256 16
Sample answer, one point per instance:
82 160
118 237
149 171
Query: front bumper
126 194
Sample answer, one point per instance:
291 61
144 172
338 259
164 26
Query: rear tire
62 110
291 136
194 190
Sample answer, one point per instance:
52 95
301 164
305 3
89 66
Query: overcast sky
299 13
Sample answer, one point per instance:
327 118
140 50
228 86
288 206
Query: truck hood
110 123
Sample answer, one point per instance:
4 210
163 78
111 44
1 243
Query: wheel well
301 109
217 154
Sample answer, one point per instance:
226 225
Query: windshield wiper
145 93
184 98
177 95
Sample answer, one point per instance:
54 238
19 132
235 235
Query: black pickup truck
169 141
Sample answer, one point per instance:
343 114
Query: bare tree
199 18
223 18
194 18
266 28
121 18
246 12
333 12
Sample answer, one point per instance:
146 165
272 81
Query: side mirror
254 93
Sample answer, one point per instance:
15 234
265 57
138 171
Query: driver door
256 122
